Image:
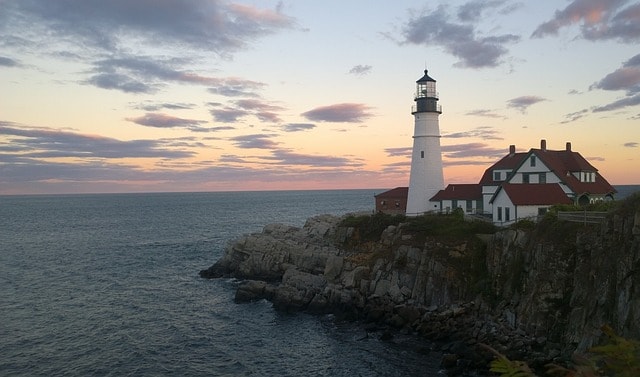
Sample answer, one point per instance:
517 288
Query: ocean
108 285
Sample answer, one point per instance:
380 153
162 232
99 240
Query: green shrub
370 227
450 225
524 224
629 205
617 357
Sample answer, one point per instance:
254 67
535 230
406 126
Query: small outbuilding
467 196
393 202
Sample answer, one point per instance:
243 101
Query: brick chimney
543 144
512 150
568 146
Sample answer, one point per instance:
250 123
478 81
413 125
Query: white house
525 185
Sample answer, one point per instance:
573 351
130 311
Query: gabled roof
565 162
522 194
459 192
562 163
508 162
398 192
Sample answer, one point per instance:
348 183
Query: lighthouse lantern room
426 177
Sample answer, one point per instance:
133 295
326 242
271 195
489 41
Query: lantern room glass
427 89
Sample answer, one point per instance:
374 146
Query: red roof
522 194
563 163
459 191
508 162
398 192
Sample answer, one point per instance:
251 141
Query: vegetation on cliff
617 357
369 228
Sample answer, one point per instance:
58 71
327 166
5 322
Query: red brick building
393 202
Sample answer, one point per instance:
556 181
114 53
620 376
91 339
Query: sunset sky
205 95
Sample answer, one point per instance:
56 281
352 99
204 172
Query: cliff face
568 280
542 292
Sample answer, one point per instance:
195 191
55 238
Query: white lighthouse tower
426 159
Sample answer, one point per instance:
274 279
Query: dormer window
497 176
532 161
586 176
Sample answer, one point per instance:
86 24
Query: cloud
339 113
619 104
166 105
459 39
360 70
286 157
160 120
255 141
472 10
467 150
235 87
215 26
456 154
147 74
599 20
522 103
399 152
8 62
221 128
120 82
626 78
572 117
631 144
295 127
483 132
38 143
262 110
115 37
228 115
486 113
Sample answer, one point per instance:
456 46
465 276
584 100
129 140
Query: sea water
108 285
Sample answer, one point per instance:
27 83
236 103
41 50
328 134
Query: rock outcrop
537 294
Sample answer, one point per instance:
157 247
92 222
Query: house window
525 177
469 205
542 211
499 213
542 178
507 214
496 176
533 160
421 154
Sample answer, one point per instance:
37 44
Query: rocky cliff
538 293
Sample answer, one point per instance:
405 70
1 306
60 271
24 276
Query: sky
101 96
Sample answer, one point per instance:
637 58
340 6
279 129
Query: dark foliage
451 226
370 227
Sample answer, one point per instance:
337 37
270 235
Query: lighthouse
426 177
